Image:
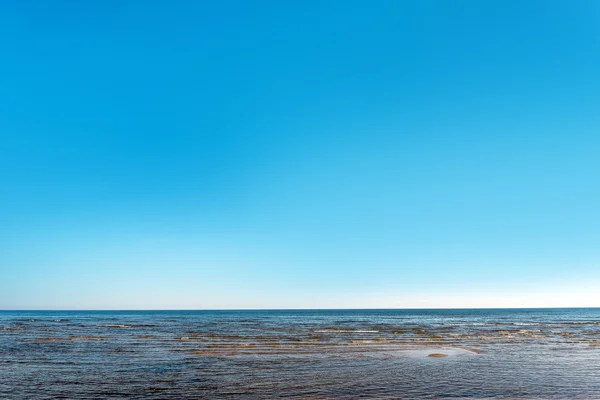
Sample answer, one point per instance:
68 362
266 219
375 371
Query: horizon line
305 309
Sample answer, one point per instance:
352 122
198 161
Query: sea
301 354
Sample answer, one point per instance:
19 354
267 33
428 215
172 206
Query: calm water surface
345 354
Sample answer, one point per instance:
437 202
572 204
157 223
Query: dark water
346 354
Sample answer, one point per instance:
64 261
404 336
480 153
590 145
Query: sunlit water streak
349 354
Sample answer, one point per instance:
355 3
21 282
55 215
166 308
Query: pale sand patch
437 355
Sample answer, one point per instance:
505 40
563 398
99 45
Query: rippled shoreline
302 354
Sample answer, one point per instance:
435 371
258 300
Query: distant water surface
305 354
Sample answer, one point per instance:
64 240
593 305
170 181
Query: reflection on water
304 354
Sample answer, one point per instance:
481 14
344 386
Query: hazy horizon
314 155
50 310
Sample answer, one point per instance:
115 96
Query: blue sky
269 154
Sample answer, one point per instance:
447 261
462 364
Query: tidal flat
337 354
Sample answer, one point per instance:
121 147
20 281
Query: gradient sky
283 154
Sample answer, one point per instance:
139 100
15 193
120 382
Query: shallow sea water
327 354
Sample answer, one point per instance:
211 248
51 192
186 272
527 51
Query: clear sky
283 154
